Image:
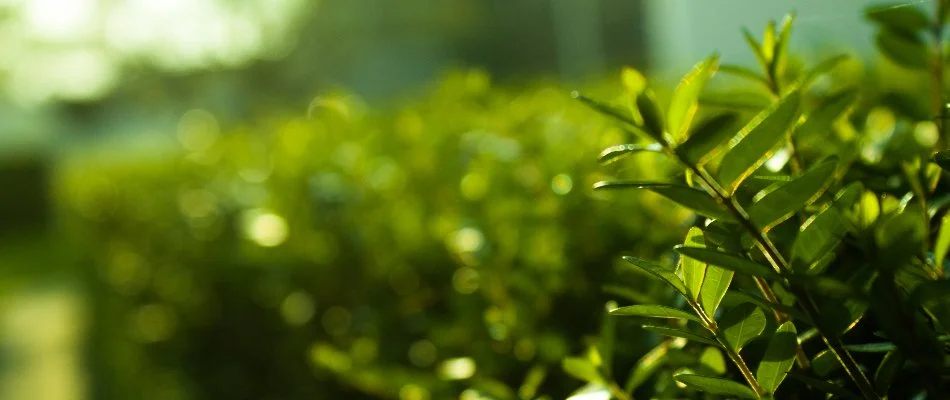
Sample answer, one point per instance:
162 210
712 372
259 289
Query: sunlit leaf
712 359
685 100
784 201
718 386
705 139
780 53
756 141
693 271
693 199
664 274
906 51
740 296
654 311
735 100
715 285
819 121
618 152
818 236
646 366
778 359
633 80
727 261
741 324
582 369
886 372
652 116
756 48
674 332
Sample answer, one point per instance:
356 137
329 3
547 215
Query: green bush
819 254
352 253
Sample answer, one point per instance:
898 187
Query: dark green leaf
718 386
784 201
705 139
820 120
693 199
646 367
901 17
757 140
902 234
822 68
664 274
615 153
685 99
881 347
674 332
906 51
824 363
727 261
652 117
744 72
942 158
818 236
824 386
740 296
736 100
654 311
778 358
582 369
694 271
886 372
741 324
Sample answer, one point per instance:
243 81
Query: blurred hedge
346 252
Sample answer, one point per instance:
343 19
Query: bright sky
76 49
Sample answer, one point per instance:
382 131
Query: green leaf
741 324
741 296
727 261
780 53
784 201
824 386
942 158
901 17
715 286
615 153
756 49
674 332
653 311
664 274
906 51
820 120
705 138
886 372
646 366
744 72
736 100
818 236
693 199
582 369
880 347
712 359
822 68
605 109
652 117
694 271
718 386
824 363
778 359
685 99
756 142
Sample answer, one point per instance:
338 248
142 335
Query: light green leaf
756 49
615 153
740 296
582 369
654 311
784 201
907 51
694 271
736 100
886 372
652 117
943 241
780 53
741 324
744 72
646 367
693 199
706 137
712 359
778 359
724 387
901 17
757 140
727 261
822 68
818 236
820 120
626 118
674 332
880 347
664 274
715 286
685 99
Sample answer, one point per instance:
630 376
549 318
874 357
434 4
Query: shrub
818 252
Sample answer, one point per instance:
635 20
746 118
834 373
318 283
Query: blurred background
284 199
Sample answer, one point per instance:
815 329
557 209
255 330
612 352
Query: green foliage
838 228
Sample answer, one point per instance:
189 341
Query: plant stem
733 355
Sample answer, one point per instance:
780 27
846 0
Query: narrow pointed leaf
664 274
886 372
652 117
756 49
582 369
820 120
715 285
653 311
906 51
727 261
616 153
646 367
822 68
943 241
674 332
694 271
781 46
724 387
693 199
778 359
756 142
784 201
685 99
706 138
744 72
606 109
880 347
818 236
741 324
